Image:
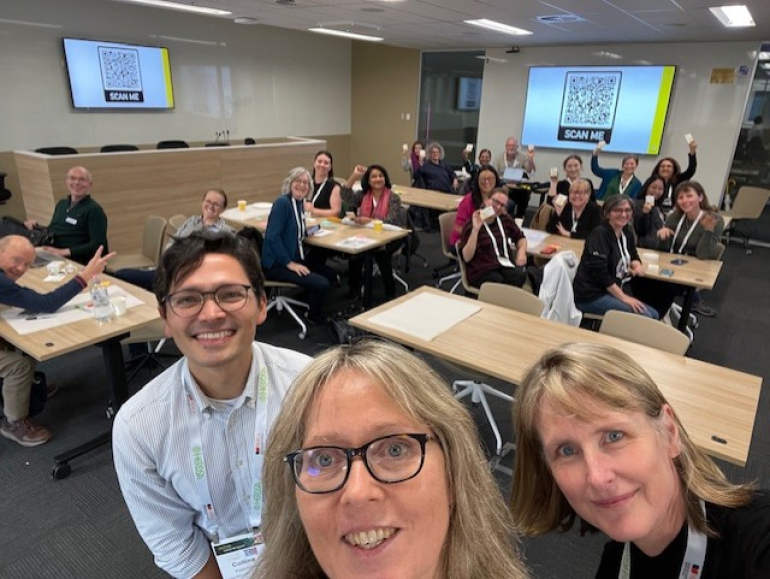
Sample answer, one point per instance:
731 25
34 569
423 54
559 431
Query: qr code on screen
590 99
120 68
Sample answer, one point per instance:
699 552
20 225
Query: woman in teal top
616 181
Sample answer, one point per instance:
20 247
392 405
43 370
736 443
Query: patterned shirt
152 450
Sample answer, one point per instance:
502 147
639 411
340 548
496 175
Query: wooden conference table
49 343
693 274
717 405
428 198
337 236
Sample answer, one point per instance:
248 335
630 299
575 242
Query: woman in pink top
485 181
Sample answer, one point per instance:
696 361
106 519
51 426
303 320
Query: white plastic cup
554 171
649 200
653 268
241 205
119 305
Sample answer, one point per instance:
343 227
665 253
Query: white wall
712 113
254 81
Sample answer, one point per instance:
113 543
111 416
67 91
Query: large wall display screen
575 107
118 76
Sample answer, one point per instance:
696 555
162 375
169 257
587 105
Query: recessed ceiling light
346 34
183 7
498 27
733 16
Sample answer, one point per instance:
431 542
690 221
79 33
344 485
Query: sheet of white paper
534 237
322 233
77 309
355 242
255 211
54 277
425 316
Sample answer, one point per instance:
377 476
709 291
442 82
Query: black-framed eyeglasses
189 303
389 459
498 203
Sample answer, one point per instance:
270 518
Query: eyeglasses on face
389 459
189 303
498 203
213 204
619 210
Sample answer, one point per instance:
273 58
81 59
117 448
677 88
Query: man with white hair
79 224
16 369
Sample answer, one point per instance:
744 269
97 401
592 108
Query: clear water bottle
103 311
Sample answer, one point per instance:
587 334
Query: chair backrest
542 217
446 222
118 148
470 289
175 222
749 202
511 297
57 151
249 141
720 250
645 331
172 145
152 240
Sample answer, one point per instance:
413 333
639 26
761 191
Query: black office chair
118 148
249 141
172 145
57 151
217 144
5 194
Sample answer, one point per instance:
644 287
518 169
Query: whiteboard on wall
711 112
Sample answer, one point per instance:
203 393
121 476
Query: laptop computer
514 175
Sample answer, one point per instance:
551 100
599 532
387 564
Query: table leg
368 282
112 353
689 296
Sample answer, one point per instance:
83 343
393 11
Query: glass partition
450 99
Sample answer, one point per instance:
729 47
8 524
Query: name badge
237 556
71 220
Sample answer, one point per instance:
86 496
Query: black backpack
38 236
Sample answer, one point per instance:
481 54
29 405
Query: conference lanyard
689 232
504 260
318 192
260 440
575 218
299 217
625 258
694 556
621 186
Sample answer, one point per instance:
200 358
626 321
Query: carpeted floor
79 528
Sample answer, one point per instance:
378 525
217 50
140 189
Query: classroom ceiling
438 24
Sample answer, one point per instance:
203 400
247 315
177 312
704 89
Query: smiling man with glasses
189 446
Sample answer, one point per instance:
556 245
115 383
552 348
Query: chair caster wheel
61 471
302 335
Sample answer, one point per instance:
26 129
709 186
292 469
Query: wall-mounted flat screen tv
112 75
575 107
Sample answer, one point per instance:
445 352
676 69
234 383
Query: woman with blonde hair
596 439
374 469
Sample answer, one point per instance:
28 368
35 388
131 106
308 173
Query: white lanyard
621 186
299 217
318 192
260 440
689 232
574 222
505 260
625 258
694 555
